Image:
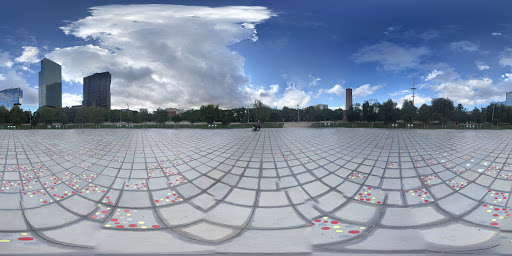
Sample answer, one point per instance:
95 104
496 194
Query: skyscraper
10 97
97 90
50 84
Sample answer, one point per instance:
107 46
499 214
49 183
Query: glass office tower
10 97
50 84
97 90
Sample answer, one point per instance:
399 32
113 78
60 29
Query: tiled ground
290 190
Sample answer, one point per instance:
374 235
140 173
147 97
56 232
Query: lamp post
30 117
248 114
298 117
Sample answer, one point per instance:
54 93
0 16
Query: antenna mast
413 88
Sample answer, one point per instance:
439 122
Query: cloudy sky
285 53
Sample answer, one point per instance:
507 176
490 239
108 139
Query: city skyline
302 54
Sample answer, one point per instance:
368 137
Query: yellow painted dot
108 226
501 217
336 227
24 234
324 218
4 241
129 214
143 227
141 222
488 210
339 230
362 228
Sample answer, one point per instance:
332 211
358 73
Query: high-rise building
10 97
97 90
508 100
348 103
50 84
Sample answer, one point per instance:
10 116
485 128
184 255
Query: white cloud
291 96
365 90
164 55
69 99
402 92
30 55
464 46
473 91
481 66
390 56
336 89
418 100
12 79
433 74
2 77
5 60
496 34
506 61
314 80
507 76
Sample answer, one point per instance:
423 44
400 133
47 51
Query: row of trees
442 110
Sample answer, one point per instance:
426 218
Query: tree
390 111
261 111
16 115
289 114
81 116
425 114
460 114
354 114
161 116
408 111
61 117
47 115
276 115
209 113
442 110
176 119
4 115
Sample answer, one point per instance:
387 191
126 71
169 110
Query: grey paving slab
154 191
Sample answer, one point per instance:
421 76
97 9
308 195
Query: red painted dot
378 202
317 220
114 220
494 224
353 232
325 221
94 216
155 226
126 210
496 209
325 228
334 222
484 205
495 215
119 226
104 211
132 226
25 238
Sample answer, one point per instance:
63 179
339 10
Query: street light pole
248 114
298 117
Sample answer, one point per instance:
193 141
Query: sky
282 52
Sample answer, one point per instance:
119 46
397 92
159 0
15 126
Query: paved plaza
292 191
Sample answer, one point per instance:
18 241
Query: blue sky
188 53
